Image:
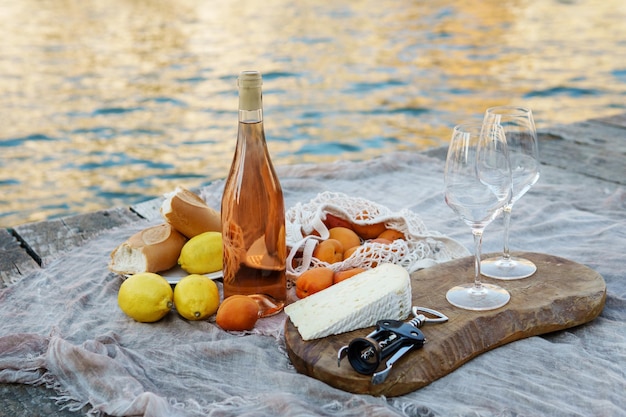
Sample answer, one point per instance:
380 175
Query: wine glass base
486 297
507 269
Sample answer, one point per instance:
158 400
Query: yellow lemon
196 297
146 297
202 254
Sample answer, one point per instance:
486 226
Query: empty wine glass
521 138
477 186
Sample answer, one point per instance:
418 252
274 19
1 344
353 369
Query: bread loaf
189 214
154 249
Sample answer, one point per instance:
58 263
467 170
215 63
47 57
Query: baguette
189 214
154 249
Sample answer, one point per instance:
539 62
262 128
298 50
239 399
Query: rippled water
109 103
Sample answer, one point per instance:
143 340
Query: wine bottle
253 210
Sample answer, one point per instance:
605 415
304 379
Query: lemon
202 254
146 297
196 297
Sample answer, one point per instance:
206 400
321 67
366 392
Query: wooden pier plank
14 260
618 120
149 209
597 133
595 148
593 161
45 240
32 401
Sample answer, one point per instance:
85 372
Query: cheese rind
380 293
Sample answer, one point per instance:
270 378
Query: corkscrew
391 338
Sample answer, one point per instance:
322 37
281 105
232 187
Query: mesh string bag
421 248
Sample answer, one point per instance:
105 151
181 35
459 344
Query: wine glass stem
478 241
507 221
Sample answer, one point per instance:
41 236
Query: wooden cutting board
561 294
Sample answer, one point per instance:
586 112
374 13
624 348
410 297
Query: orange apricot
368 231
348 273
238 313
391 234
335 221
314 280
329 251
381 240
347 237
348 253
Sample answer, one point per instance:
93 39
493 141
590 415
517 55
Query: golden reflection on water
106 104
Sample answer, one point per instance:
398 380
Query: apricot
314 280
237 313
329 251
382 240
348 253
368 231
391 234
348 273
334 221
347 237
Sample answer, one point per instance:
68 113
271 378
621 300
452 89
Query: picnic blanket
61 326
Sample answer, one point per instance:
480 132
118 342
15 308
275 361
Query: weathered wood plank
32 401
616 120
14 260
568 149
593 161
591 132
150 209
439 153
45 240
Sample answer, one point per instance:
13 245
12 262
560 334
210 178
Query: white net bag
307 226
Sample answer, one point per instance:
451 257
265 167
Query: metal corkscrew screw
391 338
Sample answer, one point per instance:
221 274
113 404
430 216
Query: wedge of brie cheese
380 293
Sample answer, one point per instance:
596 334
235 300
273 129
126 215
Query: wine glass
521 138
477 187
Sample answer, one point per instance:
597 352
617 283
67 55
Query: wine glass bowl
521 137
477 180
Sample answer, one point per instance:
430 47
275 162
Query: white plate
177 273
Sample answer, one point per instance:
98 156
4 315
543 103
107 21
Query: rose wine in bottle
253 210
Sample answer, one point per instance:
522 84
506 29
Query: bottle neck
250 104
250 116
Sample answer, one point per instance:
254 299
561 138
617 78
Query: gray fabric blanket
61 326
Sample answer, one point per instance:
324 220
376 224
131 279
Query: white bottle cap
250 83
250 79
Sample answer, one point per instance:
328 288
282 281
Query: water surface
109 103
